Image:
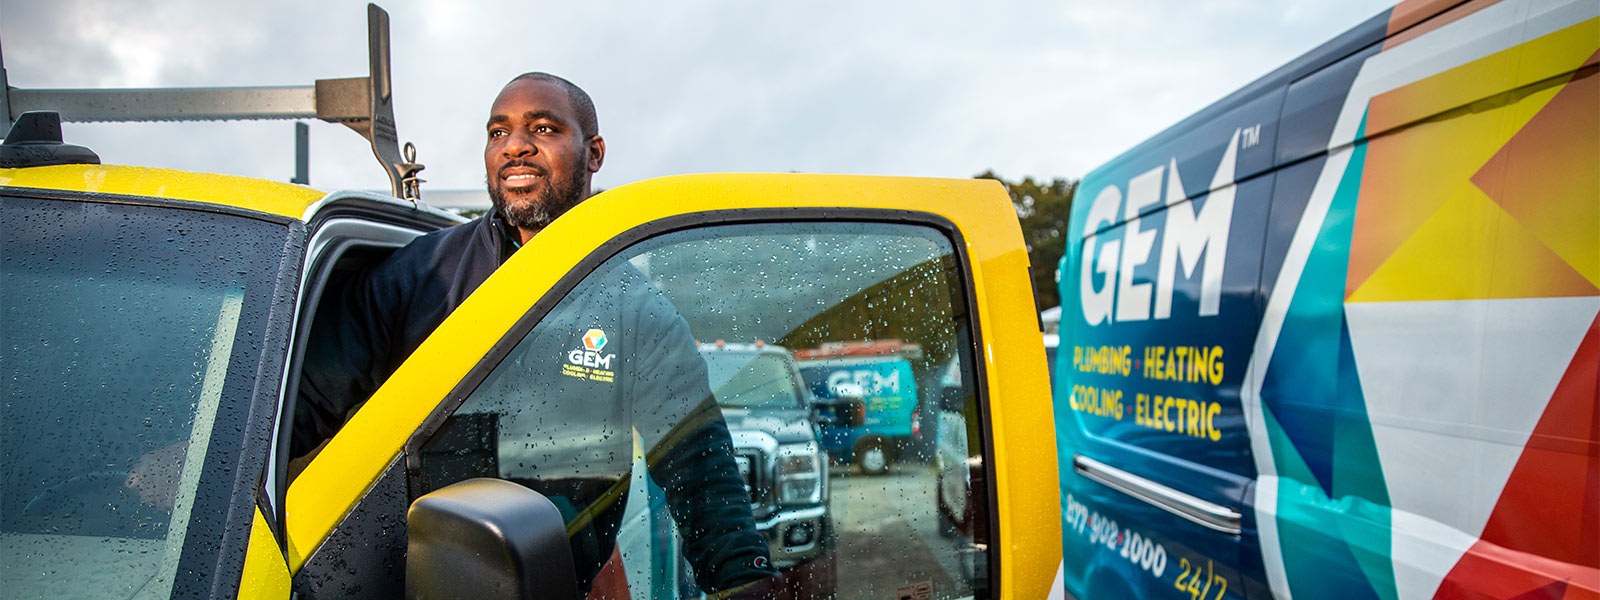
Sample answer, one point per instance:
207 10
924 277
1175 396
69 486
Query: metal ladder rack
364 104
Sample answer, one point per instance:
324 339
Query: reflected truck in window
1336 336
775 441
866 399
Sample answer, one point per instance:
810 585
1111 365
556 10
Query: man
542 148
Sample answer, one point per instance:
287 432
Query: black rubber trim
264 417
316 281
221 521
365 555
411 450
50 194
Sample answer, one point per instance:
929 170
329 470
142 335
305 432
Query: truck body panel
1317 339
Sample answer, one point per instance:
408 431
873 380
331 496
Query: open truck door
566 371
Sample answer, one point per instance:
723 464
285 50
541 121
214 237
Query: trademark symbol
1250 136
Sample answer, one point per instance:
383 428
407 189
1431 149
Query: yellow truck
154 324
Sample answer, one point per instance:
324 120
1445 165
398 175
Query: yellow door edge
266 575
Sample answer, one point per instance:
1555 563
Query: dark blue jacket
363 331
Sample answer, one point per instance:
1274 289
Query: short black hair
588 122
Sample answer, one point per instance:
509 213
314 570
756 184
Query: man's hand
155 475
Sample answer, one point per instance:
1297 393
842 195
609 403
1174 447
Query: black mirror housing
952 399
488 539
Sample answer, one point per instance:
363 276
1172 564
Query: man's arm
708 501
346 357
693 460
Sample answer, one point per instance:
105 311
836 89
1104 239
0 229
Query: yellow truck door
573 371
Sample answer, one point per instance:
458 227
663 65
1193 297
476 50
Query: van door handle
1209 515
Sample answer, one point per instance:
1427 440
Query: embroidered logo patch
589 362
594 340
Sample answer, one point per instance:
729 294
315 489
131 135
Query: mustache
537 170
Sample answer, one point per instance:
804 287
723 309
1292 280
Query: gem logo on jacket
589 362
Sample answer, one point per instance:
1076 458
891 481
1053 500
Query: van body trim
1209 515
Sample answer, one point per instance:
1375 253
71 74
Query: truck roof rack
364 104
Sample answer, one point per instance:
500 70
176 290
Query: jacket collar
498 234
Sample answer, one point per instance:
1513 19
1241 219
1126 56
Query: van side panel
1155 388
1412 361
1159 319
1154 213
1332 524
1421 327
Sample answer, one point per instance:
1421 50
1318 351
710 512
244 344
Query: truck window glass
117 315
719 404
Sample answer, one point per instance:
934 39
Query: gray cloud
903 88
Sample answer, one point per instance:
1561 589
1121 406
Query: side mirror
822 415
488 539
952 398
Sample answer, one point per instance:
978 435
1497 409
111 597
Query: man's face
537 160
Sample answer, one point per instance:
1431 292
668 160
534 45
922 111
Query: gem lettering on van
1105 360
1191 364
1188 237
1183 416
872 382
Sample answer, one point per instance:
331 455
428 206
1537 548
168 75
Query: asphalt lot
888 537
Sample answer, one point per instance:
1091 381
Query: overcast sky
928 88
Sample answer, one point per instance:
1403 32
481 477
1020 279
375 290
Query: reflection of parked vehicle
1051 342
775 440
866 399
951 475
958 475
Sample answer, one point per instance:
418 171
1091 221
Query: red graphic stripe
1543 538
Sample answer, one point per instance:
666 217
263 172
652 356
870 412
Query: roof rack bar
188 104
364 104
5 97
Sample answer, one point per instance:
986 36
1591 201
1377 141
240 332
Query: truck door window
130 345
761 405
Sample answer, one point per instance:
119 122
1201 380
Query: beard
535 207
